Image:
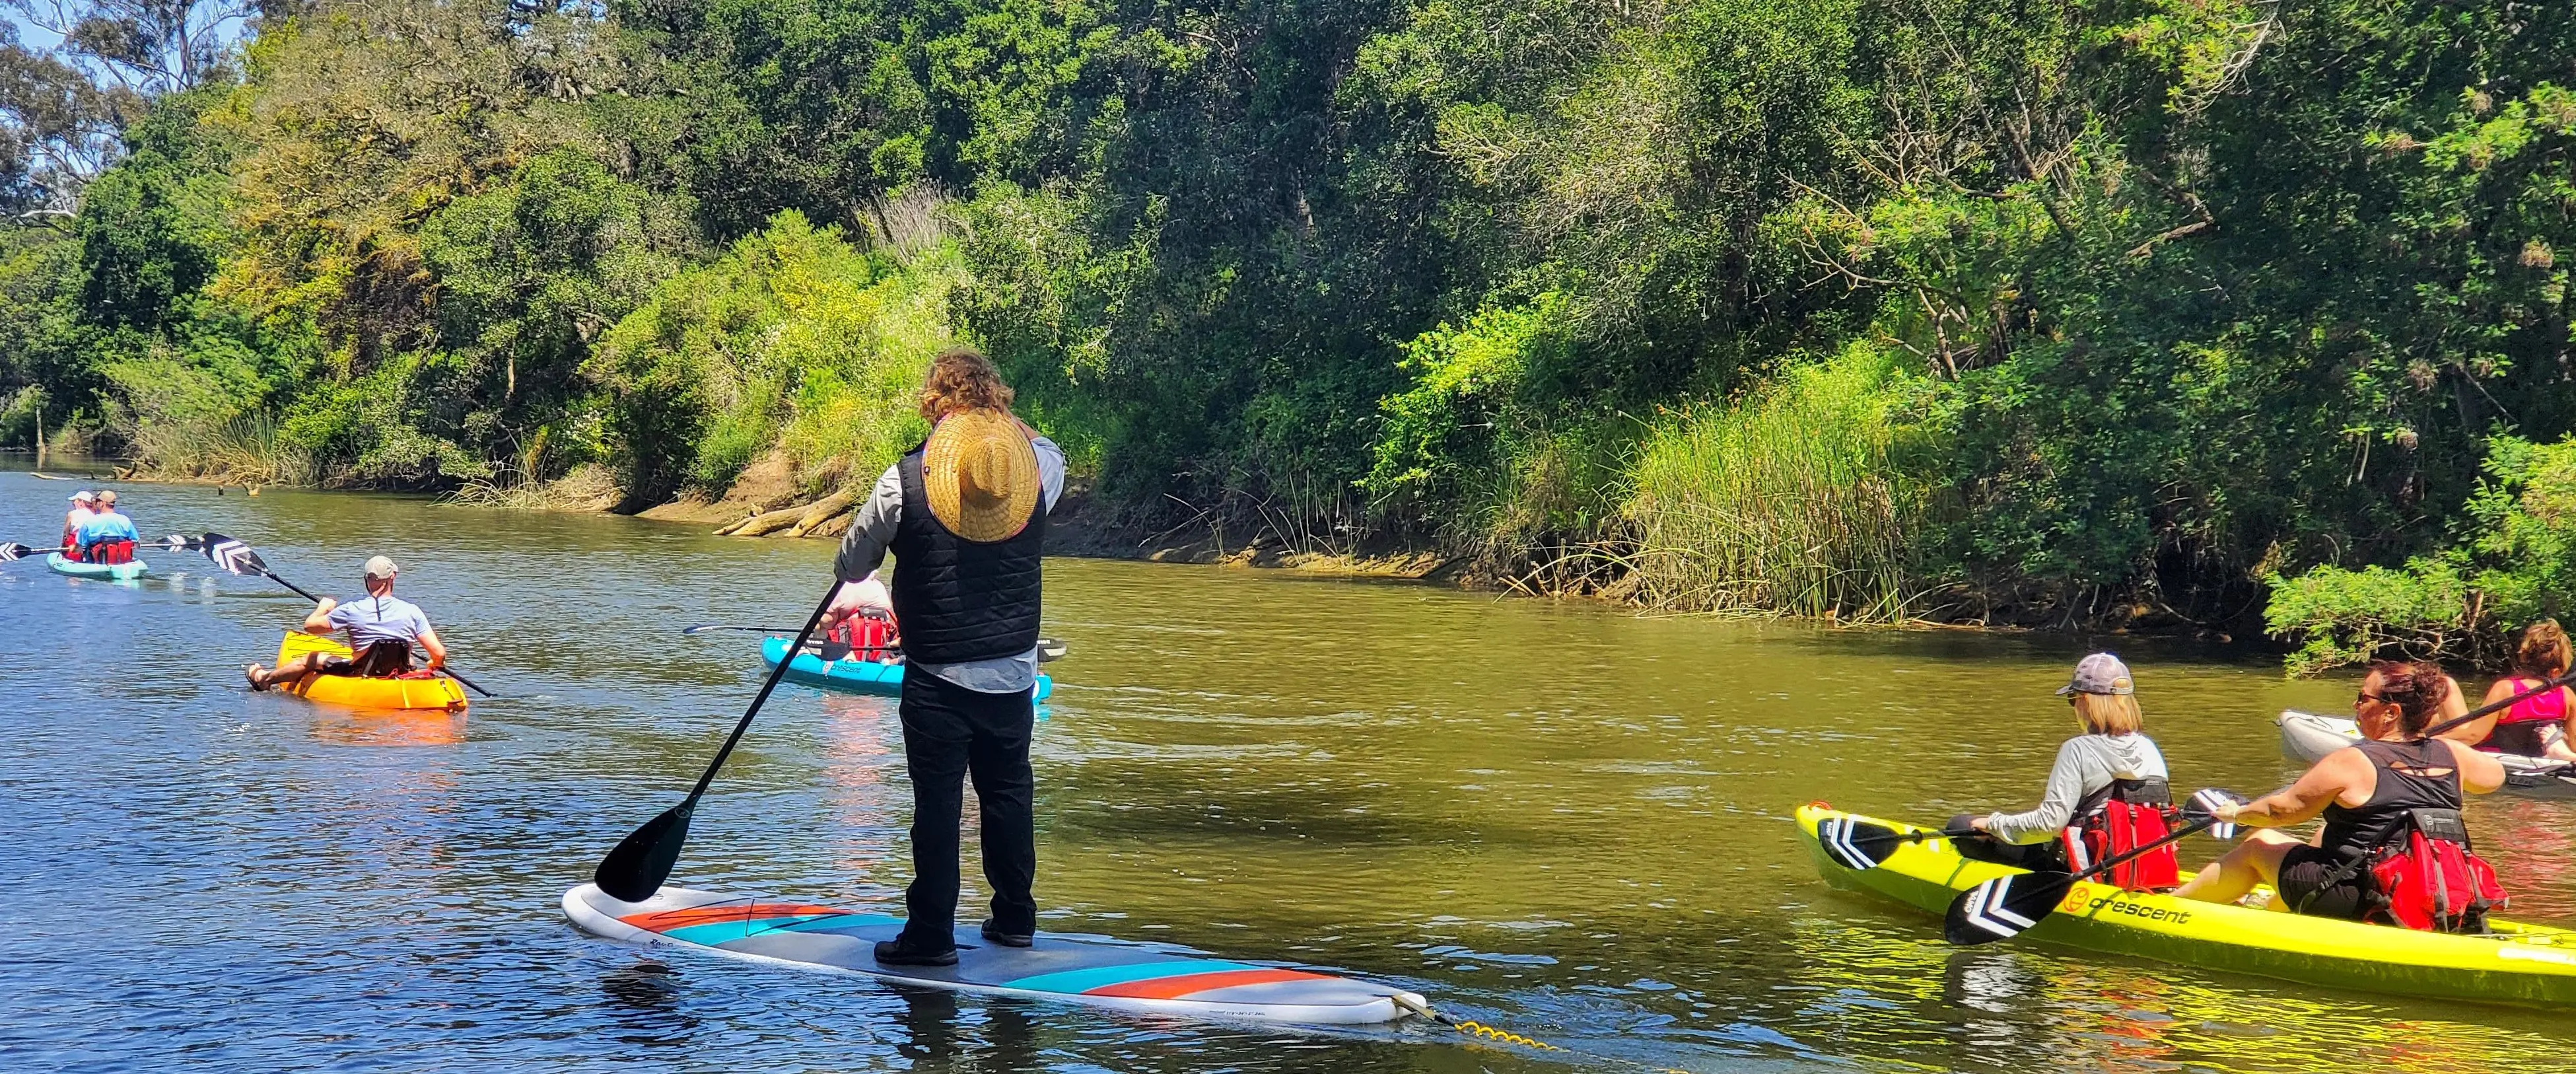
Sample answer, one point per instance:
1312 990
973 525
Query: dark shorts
382 660
2320 883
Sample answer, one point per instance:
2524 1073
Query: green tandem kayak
120 572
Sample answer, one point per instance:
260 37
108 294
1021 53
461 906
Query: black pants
950 731
2036 857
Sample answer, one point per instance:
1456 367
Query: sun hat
2100 673
380 567
980 473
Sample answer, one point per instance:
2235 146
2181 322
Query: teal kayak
121 572
853 675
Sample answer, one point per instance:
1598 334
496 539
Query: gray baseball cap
380 567
2100 673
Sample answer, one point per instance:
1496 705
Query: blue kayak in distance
853 675
117 572
1091 970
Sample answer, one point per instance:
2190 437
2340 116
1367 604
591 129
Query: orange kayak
427 692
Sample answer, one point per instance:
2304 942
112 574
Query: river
1564 819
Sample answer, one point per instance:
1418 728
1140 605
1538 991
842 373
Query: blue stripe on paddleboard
719 932
1074 982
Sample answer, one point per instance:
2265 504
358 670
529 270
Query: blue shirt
374 619
107 526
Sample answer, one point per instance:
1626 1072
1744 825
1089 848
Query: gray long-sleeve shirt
864 549
2085 764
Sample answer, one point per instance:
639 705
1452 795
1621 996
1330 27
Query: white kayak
1092 970
2307 736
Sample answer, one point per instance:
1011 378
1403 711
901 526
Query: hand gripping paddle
2001 908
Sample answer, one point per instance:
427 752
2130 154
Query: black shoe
1007 939
894 953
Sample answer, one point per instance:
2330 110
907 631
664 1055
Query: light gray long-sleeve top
2085 764
864 549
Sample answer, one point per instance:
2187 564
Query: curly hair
2544 652
2417 689
961 378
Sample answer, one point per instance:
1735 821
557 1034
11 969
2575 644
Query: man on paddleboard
965 515
382 631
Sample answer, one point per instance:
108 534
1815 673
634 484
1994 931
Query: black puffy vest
961 600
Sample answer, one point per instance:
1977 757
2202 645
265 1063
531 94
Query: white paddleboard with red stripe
1101 972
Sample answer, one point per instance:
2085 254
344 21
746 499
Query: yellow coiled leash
1481 1031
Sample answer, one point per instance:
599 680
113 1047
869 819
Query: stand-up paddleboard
1103 973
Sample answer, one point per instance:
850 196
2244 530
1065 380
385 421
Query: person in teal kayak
84 508
2106 794
965 515
2534 726
2391 804
383 631
108 536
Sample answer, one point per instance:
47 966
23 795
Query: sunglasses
2367 696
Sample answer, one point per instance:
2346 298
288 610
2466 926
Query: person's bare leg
2257 860
286 672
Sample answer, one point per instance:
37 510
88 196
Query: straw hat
981 475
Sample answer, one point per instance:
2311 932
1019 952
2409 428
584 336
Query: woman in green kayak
2106 793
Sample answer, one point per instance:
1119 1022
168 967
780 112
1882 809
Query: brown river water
1564 819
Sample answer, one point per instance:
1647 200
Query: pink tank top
2550 707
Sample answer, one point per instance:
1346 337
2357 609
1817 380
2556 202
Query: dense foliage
2118 312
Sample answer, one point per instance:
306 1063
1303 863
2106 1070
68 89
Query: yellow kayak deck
354 692
2522 964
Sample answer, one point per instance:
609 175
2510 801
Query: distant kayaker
382 632
2106 794
108 536
82 511
2391 806
2535 726
862 622
965 515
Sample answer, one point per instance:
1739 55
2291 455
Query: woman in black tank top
2394 770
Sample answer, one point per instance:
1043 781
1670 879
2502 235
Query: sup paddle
2001 908
239 558
636 867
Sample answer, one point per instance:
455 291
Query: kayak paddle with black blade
239 558
636 867
2003 907
1858 844
13 551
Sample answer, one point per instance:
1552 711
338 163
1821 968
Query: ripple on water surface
1563 820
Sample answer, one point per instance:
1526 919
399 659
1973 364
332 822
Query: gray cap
2100 673
380 567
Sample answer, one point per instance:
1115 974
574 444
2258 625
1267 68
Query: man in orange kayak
382 632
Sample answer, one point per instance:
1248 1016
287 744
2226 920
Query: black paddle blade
13 551
636 867
233 555
2197 809
2001 908
176 543
1050 649
1856 844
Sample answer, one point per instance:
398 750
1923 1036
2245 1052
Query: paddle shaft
767 687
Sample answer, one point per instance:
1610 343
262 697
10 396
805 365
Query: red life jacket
869 635
115 551
71 544
2411 838
2128 814
2431 880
